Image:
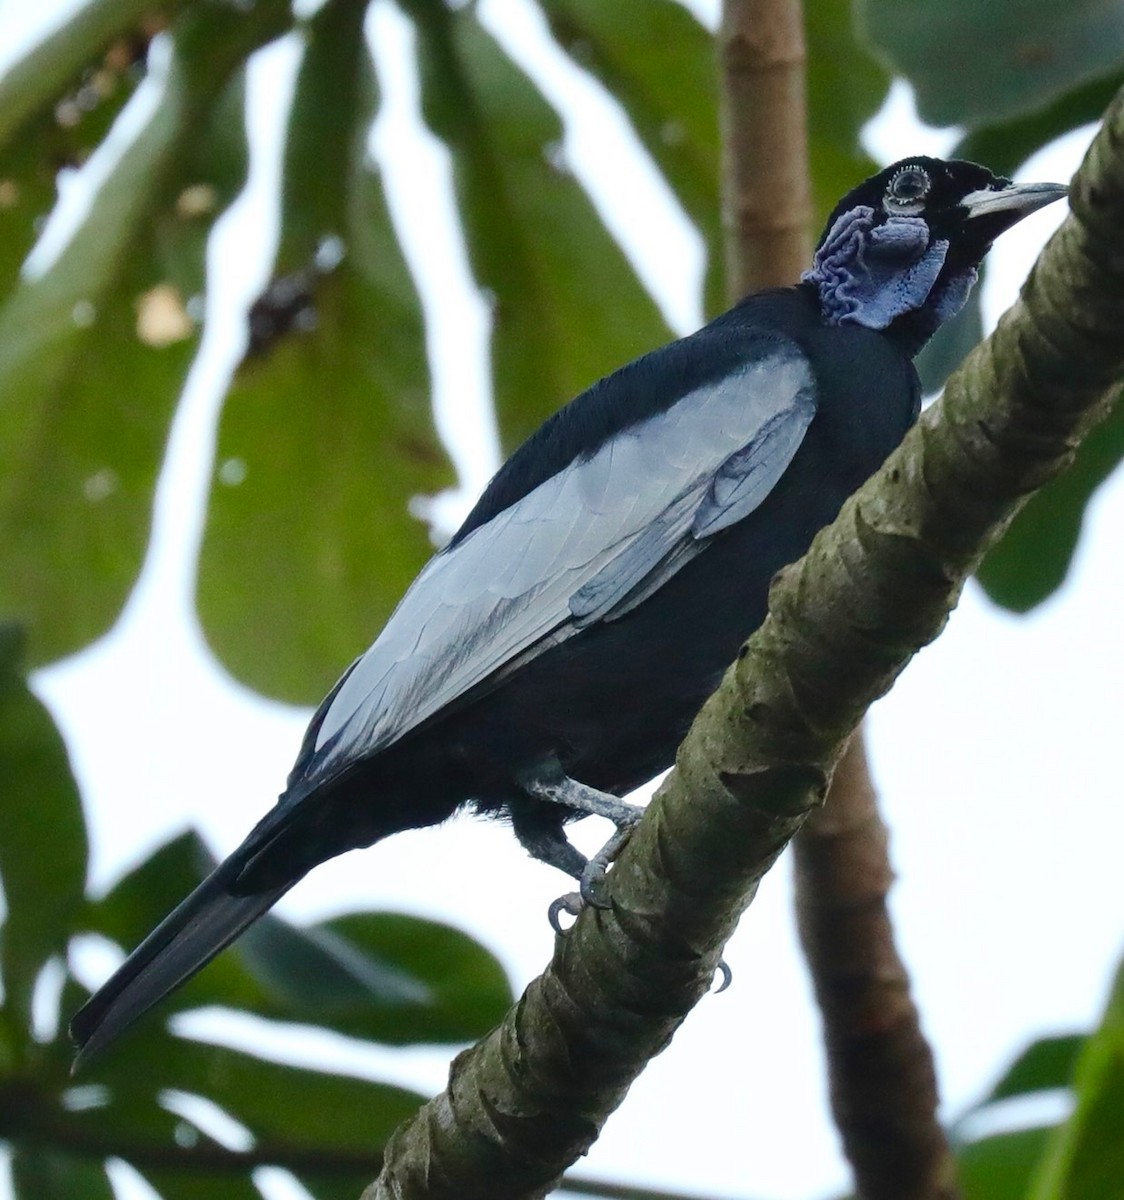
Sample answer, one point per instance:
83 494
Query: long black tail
183 943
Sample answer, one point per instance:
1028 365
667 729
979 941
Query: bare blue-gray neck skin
875 270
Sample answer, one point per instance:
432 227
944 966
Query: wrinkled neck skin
887 275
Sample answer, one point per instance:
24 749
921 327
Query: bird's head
902 250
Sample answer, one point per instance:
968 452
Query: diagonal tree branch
844 621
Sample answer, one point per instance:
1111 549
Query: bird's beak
1011 203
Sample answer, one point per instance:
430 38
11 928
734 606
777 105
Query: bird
549 659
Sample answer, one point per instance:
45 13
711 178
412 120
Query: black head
901 250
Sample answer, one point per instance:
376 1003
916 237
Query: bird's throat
886 273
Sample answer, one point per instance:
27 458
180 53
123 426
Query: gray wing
588 544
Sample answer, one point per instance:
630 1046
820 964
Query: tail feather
182 944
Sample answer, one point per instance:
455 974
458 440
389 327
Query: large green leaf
1000 1167
1005 146
184 1183
1086 1159
567 306
51 67
384 977
1044 1065
1032 557
59 136
296 1115
88 370
178 1159
44 1173
659 62
327 432
43 847
61 1142
975 62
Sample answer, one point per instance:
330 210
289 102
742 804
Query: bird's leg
547 842
552 785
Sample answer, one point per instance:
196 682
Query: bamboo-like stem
766 192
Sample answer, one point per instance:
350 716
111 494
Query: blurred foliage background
326 434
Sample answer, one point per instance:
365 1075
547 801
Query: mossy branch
876 586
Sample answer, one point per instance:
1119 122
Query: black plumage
552 656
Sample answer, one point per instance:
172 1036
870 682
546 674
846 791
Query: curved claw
570 903
723 969
590 889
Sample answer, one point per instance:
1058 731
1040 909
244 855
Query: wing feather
589 543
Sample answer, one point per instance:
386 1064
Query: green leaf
328 1129
973 62
294 1106
1044 1065
61 135
43 1173
383 977
1086 1159
567 306
327 432
1005 147
1000 1167
148 892
1032 558
846 87
324 1186
174 1183
43 850
659 62
45 73
88 372
60 1145
291 1111
176 1157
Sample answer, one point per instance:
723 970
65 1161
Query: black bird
551 657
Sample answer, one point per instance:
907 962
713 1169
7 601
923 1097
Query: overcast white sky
996 753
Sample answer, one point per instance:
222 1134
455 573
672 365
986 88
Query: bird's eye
907 190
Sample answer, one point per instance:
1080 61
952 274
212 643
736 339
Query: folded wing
586 545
